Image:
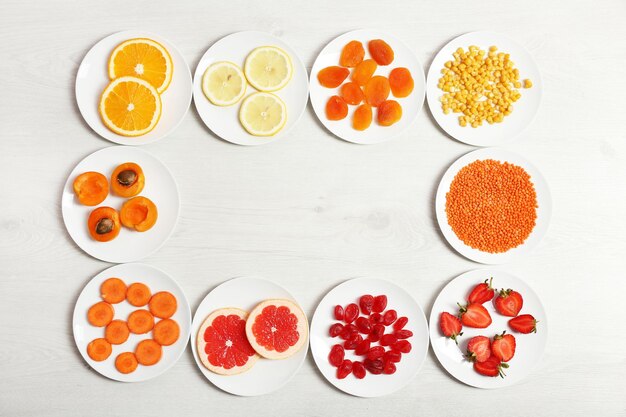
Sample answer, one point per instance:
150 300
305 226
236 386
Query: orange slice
142 58
130 106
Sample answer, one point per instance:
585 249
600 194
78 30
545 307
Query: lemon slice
268 68
223 83
263 114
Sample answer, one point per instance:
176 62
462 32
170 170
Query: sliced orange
142 58
130 106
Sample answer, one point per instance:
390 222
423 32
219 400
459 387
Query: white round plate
224 121
544 211
129 245
524 109
266 375
529 347
398 299
93 77
84 332
411 105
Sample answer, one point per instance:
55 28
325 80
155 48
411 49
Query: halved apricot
139 213
389 112
127 180
362 118
336 108
364 71
332 77
104 224
377 90
352 94
401 82
352 54
380 51
91 188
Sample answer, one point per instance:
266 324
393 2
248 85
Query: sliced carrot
116 332
140 321
126 362
113 290
138 294
99 349
148 352
100 314
163 305
166 332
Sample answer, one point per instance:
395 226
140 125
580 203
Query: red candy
362 348
376 352
380 304
392 356
388 340
403 346
338 313
389 317
377 332
351 313
358 369
400 323
364 325
335 330
375 366
403 334
376 318
353 342
337 353
389 368
344 369
366 302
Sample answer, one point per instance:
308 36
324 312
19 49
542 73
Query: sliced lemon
223 83
142 58
130 106
268 68
263 114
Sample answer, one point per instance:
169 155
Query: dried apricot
377 90
362 118
401 82
380 51
352 54
336 108
352 93
364 71
332 77
389 112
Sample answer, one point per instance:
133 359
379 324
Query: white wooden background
312 210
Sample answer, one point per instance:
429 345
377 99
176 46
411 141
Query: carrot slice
166 332
113 290
163 305
148 352
138 294
126 362
116 332
140 321
100 314
99 349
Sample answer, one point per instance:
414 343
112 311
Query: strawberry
481 293
491 367
524 324
478 349
509 302
503 347
474 315
450 326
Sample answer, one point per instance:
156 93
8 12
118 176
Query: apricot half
127 180
389 112
104 224
401 82
91 188
139 213
352 54
377 90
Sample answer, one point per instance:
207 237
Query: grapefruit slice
277 329
222 344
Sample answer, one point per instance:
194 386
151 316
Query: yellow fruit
223 83
130 106
268 68
263 114
142 58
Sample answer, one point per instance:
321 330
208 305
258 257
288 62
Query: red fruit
337 353
348 331
362 348
338 313
393 356
364 325
400 323
491 367
374 366
376 318
377 332
358 369
351 313
366 302
388 340
509 302
478 349
380 304
403 346
389 317
475 315
403 334
524 324
450 326
376 352
389 368
344 369
335 330
353 342
503 347
481 293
